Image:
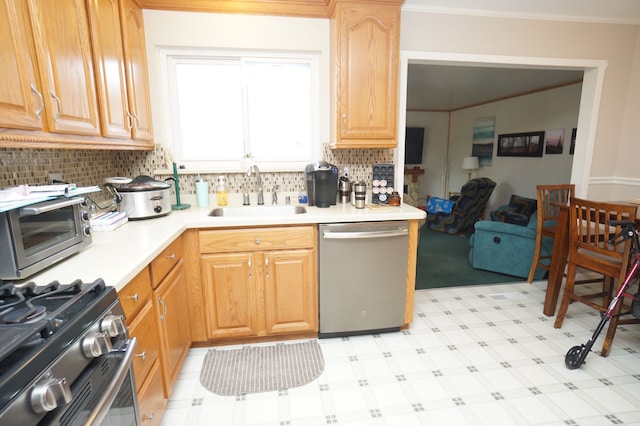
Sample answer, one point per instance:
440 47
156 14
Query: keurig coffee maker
322 183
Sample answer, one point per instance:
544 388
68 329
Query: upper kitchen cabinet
116 65
106 39
136 69
47 68
65 65
21 102
365 43
74 75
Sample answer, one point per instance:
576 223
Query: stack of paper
108 221
58 189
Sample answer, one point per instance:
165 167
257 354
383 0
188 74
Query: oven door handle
104 404
48 206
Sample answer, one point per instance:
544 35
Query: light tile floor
481 355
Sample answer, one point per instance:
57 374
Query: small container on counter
202 192
394 199
302 197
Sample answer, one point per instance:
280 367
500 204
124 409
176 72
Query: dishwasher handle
364 234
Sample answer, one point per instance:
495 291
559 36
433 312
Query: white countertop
118 256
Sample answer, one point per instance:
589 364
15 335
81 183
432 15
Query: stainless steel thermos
344 190
359 194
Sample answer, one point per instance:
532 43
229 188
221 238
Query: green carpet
443 262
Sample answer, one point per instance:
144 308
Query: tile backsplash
91 167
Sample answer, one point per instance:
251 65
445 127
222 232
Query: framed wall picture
528 144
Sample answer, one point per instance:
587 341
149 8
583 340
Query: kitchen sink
250 211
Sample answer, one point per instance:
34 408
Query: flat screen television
413 143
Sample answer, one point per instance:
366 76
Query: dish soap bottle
221 192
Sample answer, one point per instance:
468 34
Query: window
224 107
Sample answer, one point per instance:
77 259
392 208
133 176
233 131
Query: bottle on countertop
202 192
221 192
302 197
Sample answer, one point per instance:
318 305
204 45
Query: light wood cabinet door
61 34
135 295
172 315
108 55
147 349
136 70
365 59
290 291
230 294
21 101
152 402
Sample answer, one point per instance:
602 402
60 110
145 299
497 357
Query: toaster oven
38 235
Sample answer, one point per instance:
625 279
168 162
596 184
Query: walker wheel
574 358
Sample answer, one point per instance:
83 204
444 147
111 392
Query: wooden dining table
559 258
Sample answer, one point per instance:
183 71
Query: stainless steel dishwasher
363 274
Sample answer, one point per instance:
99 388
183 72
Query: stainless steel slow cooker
145 198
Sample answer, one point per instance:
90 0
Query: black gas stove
61 346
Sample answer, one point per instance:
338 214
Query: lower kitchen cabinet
151 399
172 314
230 294
143 327
259 282
290 295
136 300
157 314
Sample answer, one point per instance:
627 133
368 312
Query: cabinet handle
37 92
257 240
135 116
134 297
149 417
266 263
142 355
164 309
172 256
344 123
129 120
249 264
57 99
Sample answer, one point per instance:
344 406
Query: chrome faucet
274 194
254 168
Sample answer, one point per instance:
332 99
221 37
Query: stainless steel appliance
363 275
65 357
322 183
145 198
38 235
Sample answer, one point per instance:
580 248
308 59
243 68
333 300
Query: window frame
169 58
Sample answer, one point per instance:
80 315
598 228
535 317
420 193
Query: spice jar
394 199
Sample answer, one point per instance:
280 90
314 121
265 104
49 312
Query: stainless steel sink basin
253 211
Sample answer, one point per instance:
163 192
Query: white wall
434 152
615 126
542 111
548 110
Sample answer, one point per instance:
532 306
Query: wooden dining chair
547 220
589 249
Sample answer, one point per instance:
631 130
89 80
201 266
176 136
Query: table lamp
470 164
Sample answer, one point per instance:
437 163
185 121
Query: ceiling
449 88
446 88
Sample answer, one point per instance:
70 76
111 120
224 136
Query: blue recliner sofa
507 248
466 209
